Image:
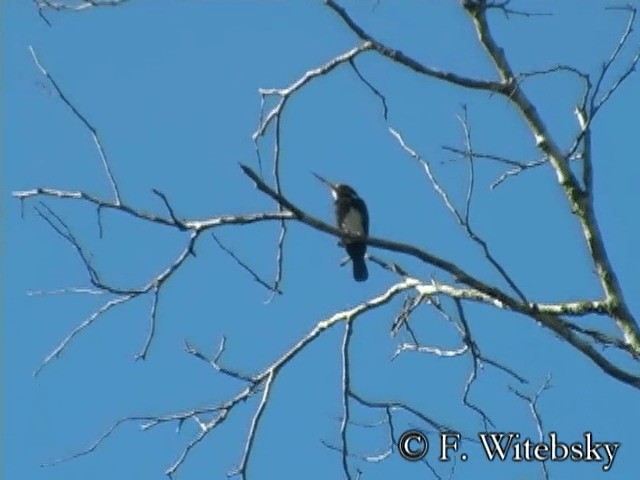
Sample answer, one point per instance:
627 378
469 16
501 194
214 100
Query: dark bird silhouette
351 216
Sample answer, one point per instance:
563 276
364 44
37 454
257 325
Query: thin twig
533 406
246 267
83 119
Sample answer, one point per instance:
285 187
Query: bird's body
351 216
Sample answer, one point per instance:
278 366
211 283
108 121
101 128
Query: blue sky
172 89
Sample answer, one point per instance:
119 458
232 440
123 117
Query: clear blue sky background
172 89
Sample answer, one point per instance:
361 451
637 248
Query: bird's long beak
325 181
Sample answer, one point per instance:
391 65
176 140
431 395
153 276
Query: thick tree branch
459 274
581 204
260 381
492 294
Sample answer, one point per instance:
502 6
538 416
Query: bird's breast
352 221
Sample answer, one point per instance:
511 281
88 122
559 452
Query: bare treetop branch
407 61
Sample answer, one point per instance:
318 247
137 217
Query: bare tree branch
477 365
262 380
376 92
285 93
486 293
215 361
242 468
274 116
440 427
581 204
399 57
503 6
124 294
460 275
563 319
86 323
533 406
82 118
346 387
247 268
463 222
596 104
197 225
79 5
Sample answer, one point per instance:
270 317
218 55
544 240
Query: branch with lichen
580 200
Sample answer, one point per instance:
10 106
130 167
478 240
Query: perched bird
351 216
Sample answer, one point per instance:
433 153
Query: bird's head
344 191
338 190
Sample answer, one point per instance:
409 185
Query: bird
351 216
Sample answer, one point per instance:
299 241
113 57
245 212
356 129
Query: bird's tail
360 272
